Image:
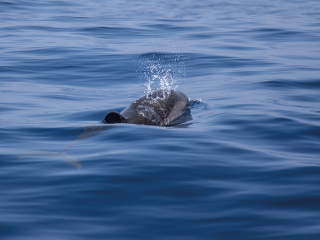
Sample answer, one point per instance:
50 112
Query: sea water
246 166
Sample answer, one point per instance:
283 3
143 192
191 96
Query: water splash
161 71
196 102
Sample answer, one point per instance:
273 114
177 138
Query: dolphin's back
158 108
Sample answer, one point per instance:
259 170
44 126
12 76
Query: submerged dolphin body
159 108
89 131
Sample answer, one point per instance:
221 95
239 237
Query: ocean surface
246 166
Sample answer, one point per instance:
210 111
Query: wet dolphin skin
158 108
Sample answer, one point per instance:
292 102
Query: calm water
247 166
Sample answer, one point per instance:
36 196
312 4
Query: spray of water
161 71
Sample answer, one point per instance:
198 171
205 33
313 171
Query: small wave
286 84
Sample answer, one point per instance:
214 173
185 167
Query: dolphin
160 108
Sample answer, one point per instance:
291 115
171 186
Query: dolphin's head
114 117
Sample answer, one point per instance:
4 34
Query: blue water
246 166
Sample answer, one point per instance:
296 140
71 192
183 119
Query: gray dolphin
159 108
